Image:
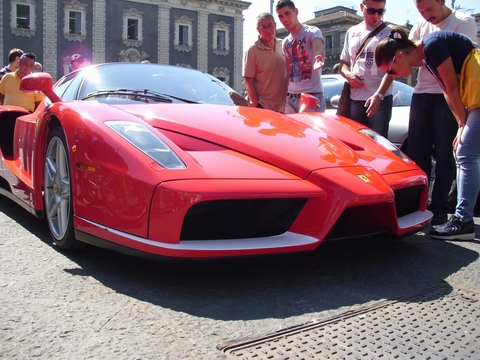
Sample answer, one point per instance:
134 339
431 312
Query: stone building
202 34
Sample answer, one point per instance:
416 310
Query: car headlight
385 143
147 142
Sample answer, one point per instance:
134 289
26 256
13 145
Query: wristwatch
379 95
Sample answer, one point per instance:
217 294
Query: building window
328 42
222 74
342 37
75 23
22 17
183 40
132 27
183 35
329 45
221 35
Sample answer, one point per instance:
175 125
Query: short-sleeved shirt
365 65
440 45
3 71
299 52
456 21
10 89
267 67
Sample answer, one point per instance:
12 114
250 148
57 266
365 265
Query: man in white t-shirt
432 126
363 74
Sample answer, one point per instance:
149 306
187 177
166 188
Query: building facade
201 34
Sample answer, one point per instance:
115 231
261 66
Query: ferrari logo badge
365 179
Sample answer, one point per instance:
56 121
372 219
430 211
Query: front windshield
181 83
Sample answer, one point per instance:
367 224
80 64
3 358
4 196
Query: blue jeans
378 122
292 105
431 131
468 167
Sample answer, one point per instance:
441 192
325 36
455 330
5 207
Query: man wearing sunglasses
432 125
370 99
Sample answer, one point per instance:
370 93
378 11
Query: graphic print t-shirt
298 51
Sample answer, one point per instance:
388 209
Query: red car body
245 181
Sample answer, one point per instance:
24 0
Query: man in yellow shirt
10 93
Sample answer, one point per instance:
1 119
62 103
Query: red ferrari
170 161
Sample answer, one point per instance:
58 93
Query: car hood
277 139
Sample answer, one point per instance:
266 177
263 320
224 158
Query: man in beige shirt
264 68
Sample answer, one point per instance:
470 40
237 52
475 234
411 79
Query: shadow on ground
337 274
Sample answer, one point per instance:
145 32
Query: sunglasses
390 71
372 11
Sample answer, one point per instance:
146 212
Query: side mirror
308 102
39 82
335 100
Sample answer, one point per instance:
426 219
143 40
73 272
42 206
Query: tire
58 193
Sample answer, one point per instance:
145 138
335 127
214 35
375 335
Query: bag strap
367 40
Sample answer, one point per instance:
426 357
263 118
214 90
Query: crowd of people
21 64
444 120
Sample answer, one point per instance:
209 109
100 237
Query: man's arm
355 80
319 53
452 90
251 91
373 102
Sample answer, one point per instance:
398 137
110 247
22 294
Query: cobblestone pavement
99 304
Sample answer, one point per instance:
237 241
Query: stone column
203 41
50 20
164 34
238 54
98 45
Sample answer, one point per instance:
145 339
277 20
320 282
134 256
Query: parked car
402 96
170 161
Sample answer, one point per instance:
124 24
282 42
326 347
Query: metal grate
439 324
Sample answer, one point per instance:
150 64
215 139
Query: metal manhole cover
438 324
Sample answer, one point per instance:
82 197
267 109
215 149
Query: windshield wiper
129 92
174 97
143 93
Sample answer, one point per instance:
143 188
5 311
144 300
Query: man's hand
317 65
372 104
354 80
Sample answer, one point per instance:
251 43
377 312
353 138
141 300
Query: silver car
402 96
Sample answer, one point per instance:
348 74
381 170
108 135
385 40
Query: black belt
293 96
297 96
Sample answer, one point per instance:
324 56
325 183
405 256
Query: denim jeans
468 167
431 131
378 122
292 106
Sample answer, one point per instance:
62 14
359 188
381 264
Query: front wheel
58 193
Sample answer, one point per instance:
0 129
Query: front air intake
240 218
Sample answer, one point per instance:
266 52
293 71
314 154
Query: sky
398 12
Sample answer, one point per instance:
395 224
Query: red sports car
170 161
